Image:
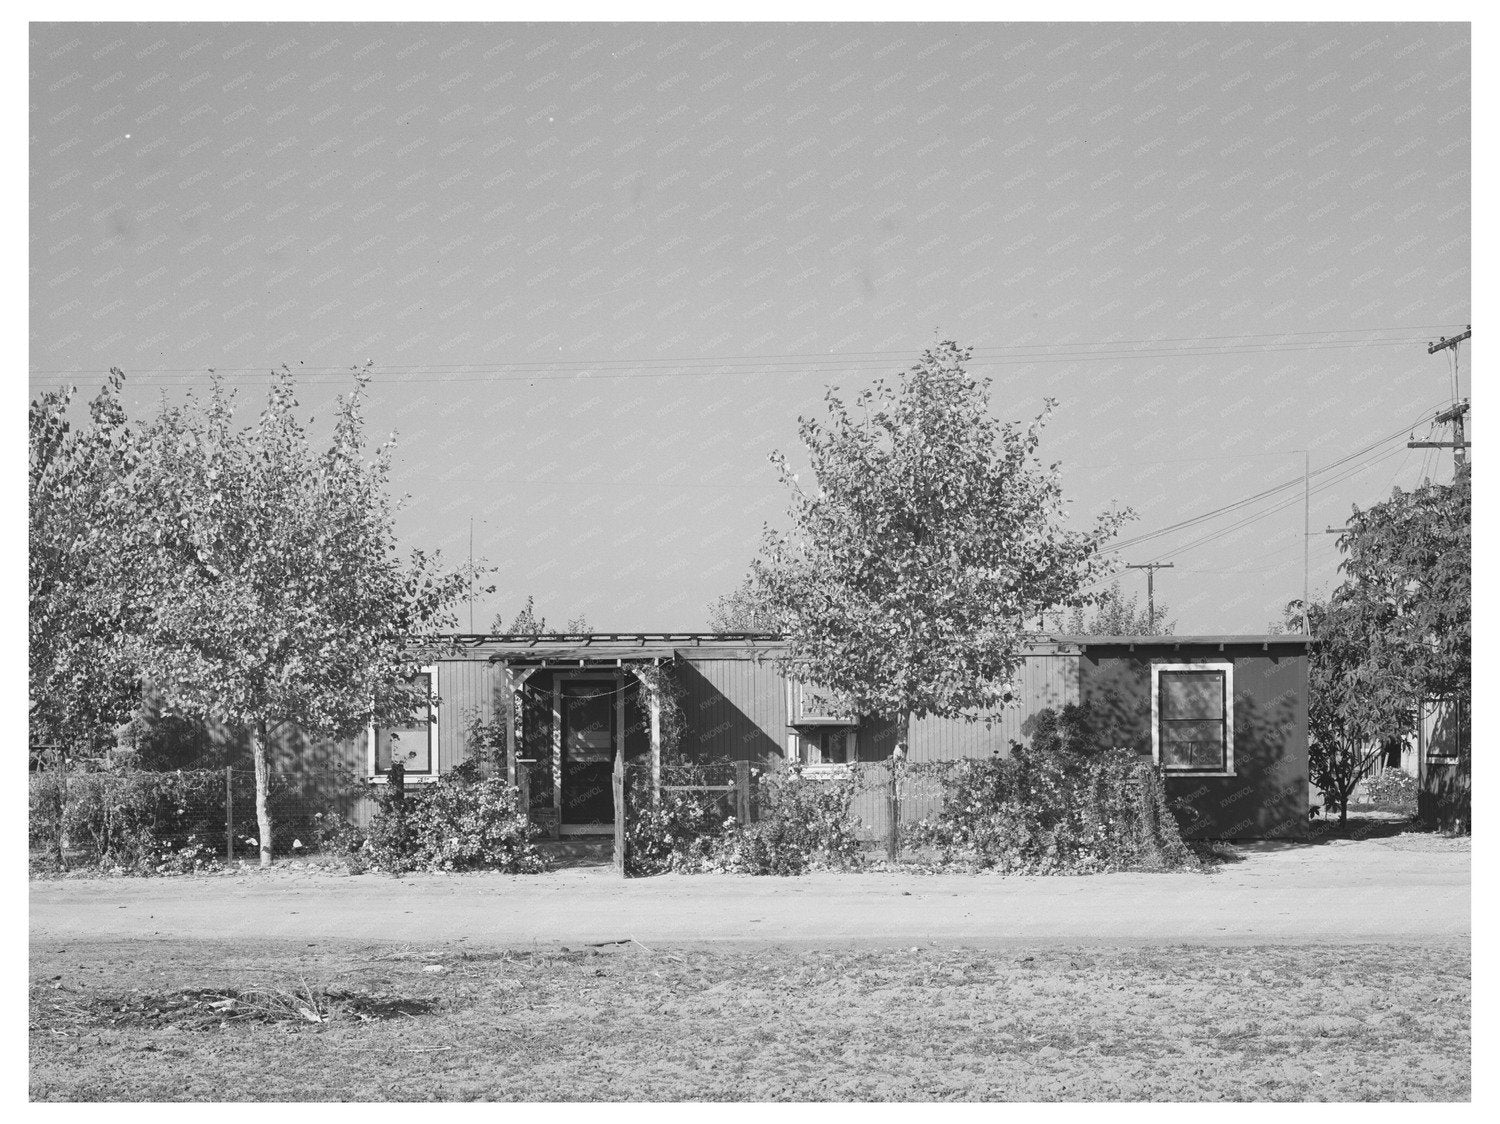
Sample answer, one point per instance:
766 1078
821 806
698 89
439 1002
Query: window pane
1192 744
1192 694
411 745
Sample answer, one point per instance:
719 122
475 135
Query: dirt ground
1288 973
135 1020
1374 890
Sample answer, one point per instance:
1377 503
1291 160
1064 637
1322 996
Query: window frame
803 737
376 777
1224 666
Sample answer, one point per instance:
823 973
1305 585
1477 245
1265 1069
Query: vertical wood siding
1044 680
466 689
733 708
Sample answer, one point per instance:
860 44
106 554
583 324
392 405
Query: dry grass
136 1021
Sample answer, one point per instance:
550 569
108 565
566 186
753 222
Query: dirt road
1371 891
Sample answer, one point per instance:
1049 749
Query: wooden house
1224 716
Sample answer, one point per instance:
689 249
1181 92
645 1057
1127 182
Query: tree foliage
277 590
1118 615
1412 556
1358 693
742 609
931 531
84 588
528 623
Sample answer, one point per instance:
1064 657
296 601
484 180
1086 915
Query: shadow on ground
576 854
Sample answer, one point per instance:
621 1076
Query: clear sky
601 270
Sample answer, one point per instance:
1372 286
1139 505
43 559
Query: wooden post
523 791
742 792
619 787
893 810
512 718
653 692
229 812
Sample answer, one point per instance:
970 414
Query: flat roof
576 647
1214 639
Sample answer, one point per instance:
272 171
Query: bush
459 822
130 821
801 823
1055 811
675 831
1391 791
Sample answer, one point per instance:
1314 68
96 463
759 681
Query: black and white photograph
668 556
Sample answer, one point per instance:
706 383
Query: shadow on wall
323 772
1267 796
718 727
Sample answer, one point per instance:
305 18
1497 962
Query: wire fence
139 819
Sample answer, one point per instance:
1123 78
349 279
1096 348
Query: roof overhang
591 655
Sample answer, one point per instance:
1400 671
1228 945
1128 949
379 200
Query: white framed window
414 745
1192 718
824 745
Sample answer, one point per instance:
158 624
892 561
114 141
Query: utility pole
1306 532
1454 415
471 575
1150 568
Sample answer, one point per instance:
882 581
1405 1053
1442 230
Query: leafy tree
742 609
1118 615
84 583
1358 696
1412 555
280 597
527 623
933 530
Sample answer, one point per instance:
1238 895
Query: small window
1192 718
411 745
826 745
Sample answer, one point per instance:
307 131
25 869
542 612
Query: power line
1282 505
848 363
878 352
1247 500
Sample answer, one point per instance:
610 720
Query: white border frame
1227 667
419 778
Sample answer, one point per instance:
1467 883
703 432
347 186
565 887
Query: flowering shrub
1055 812
678 831
1391 791
802 822
460 822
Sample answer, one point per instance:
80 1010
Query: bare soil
1368 889
635 1022
1291 972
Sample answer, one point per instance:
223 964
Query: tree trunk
893 797
258 740
1343 809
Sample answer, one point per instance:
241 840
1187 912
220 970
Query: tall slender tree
280 597
929 532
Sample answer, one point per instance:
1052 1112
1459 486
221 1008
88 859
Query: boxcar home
1224 716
